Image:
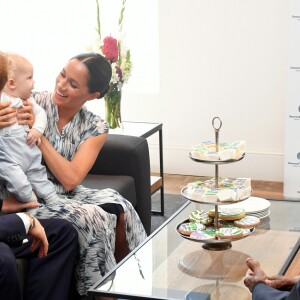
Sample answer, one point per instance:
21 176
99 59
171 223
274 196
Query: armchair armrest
128 155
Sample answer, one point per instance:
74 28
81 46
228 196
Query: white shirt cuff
25 220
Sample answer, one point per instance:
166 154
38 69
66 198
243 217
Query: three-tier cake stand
216 244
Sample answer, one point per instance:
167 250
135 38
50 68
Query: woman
70 145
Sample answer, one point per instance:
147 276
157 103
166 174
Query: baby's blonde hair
4 69
7 68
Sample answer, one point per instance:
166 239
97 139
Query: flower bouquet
119 57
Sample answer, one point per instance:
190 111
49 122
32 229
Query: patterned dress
96 227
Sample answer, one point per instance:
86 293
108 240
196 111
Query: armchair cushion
123 184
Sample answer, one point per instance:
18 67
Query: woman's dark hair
99 72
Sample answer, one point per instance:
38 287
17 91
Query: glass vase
113 108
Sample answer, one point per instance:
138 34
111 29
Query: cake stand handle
217 129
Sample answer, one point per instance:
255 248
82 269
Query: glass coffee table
167 266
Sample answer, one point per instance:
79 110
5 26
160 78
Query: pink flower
110 48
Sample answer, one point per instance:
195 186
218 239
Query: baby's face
24 80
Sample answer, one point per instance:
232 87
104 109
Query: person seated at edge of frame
50 246
20 158
263 287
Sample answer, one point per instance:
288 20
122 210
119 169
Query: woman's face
71 89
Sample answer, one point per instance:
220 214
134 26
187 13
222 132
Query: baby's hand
33 137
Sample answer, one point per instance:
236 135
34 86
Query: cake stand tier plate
215 244
186 195
215 162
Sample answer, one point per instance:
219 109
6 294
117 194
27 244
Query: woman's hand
39 238
11 205
7 114
25 114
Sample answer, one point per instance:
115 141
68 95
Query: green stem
98 20
113 111
122 15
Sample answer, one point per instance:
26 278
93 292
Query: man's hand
281 282
11 205
25 114
255 273
6 114
39 238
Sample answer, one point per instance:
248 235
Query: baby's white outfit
20 165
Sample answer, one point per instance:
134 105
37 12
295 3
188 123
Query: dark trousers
262 291
49 277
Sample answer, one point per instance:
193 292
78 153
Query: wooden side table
145 130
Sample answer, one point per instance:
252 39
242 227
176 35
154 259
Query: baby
20 158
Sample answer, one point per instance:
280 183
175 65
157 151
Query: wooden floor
264 189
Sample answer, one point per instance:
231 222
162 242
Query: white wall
226 59
216 58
